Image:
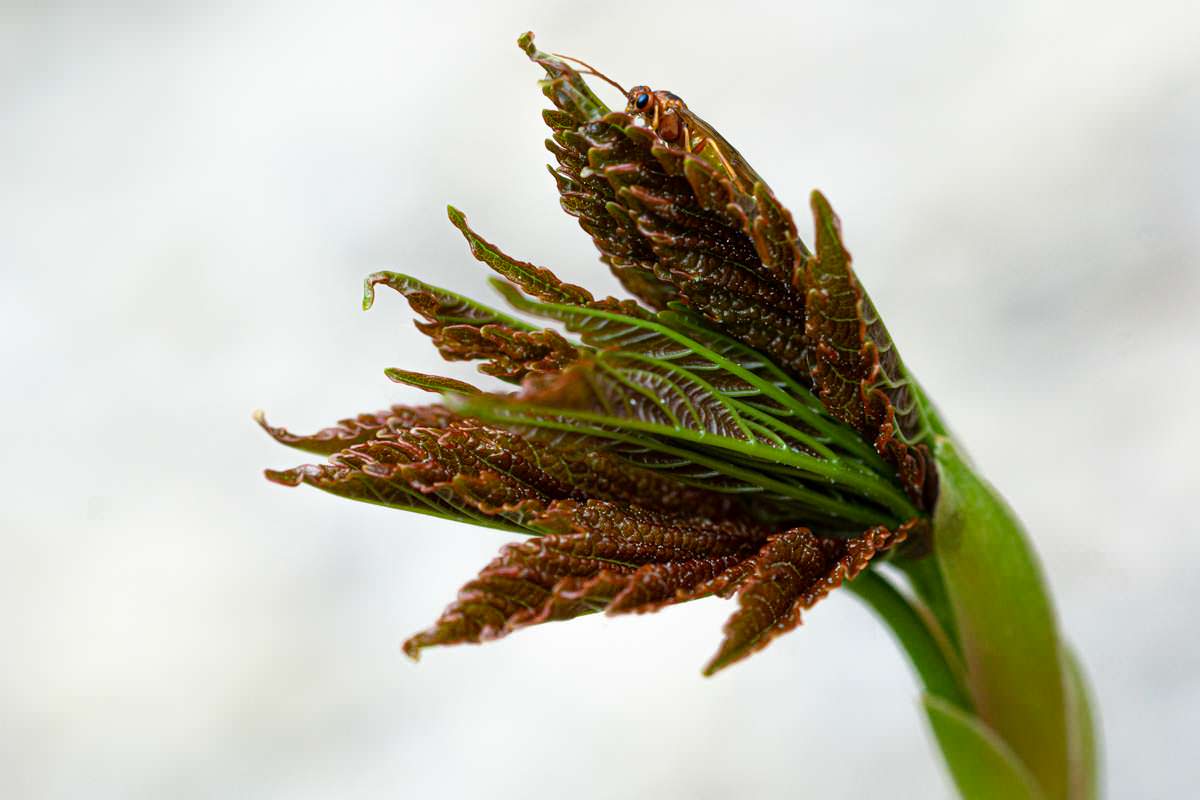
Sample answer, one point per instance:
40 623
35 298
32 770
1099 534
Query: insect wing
729 160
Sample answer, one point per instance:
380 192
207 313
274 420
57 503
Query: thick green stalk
1012 653
926 654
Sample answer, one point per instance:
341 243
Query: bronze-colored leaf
728 255
565 88
537 281
595 555
791 572
357 430
437 384
463 466
857 371
463 330
358 478
588 196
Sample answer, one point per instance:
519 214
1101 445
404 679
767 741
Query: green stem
925 577
1007 630
906 624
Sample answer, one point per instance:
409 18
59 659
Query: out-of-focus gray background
190 194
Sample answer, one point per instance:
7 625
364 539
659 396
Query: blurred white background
190 194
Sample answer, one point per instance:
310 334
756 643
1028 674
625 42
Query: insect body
668 116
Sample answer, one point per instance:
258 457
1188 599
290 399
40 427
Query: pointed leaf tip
791 573
828 223
285 477
430 383
369 287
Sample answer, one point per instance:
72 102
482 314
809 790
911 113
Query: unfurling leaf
438 384
857 371
564 86
791 573
622 559
672 227
597 554
463 330
589 197
480 473
362 428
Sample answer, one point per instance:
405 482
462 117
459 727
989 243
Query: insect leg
725 163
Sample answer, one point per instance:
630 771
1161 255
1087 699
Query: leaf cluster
741 426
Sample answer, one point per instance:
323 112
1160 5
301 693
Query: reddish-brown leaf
791 572
564 86
538 281
463 330
595 555
857 371
357 430
463 467
674 227
588 196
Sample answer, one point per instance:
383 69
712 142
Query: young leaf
709 248
595 554
463 330
590 399
731 368
1084 731
1007 629
983 766
360 429
565 88
350 479
791 572
465 468
622 558
587 195
430 383
856 370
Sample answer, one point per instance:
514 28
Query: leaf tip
412 648
457 218
278 434
430 383
828 226
721 659
369 283
285 477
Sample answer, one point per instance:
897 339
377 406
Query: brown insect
668 115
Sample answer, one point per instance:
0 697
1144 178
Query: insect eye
642 100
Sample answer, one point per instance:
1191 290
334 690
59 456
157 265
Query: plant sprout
742 426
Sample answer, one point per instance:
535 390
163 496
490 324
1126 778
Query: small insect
667 115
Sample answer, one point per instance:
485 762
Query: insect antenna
593 71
